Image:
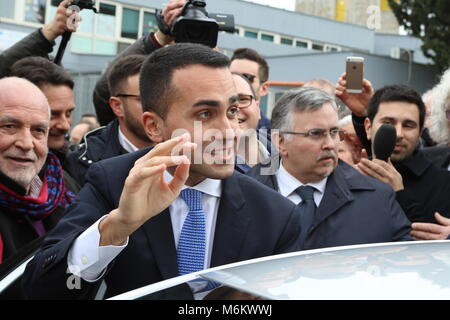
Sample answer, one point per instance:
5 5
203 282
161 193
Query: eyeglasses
318 134
245 100
249 77
125 95
447 113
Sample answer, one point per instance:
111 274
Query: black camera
82 4
196 25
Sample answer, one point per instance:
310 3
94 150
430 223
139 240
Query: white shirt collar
212 187
125 143
288 183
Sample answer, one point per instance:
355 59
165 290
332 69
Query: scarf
53 194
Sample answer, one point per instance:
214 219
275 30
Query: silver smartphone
355 74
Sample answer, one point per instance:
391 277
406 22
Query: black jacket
35 44
99 144
426 187
438 155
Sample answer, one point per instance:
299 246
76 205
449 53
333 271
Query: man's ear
116 106
368 127
264 89
278 141
153 126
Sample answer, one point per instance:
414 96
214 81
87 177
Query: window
130 23
266 37
301 44
329 48
250 34
287 41
7 9
34 11
106 20
318 47
149 24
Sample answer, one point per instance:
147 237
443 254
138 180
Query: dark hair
156 89
41 71
392 93
252 55
122 69
88 115
248 82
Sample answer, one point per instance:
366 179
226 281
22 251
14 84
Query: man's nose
24 140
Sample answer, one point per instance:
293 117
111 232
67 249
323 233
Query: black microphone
384 142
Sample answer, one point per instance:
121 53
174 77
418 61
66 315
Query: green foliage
428 20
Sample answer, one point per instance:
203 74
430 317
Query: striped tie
192 242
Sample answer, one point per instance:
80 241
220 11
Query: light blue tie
192 242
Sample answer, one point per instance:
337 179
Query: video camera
82 4
196 25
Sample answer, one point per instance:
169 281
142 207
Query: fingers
373 169
180 176
165 148
364 154
442 220
367 86
427 231
173 11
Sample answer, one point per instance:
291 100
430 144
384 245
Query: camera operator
144 46
40 42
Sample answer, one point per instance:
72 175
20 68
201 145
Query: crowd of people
183 172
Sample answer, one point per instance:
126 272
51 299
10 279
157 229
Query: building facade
297 46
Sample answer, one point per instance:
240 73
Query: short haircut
321 83
157 91
300 100
90 115
41 72
248 82
252 55
396 93
122 69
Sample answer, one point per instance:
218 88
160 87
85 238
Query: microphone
384 142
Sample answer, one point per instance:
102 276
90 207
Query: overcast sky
285 4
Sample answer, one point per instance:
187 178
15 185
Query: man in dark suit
137 222
348 208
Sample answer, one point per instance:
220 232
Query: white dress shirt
288 183
125 143
89 261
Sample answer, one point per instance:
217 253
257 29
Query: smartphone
355 74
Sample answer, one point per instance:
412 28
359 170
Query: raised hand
357 102
145 192
65 20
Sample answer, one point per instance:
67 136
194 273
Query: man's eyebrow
210 103
9 119
233 99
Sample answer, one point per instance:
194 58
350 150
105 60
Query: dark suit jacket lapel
337 194
160 235
231 223
339 191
